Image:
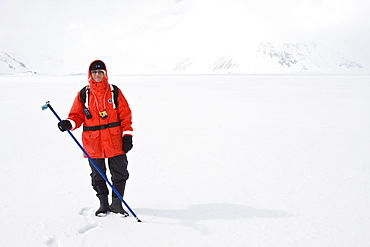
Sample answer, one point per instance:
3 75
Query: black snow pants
118 170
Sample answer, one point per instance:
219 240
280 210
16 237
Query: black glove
126 143
64 125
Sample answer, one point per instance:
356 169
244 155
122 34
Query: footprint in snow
52 242
91 222
85 211
87 228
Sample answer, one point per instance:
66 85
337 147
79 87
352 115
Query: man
107 133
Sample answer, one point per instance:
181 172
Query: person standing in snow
107 133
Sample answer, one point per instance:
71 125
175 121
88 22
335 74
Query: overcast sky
72 33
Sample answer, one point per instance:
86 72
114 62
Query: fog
56 36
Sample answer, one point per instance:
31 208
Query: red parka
102 138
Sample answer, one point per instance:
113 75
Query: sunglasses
97 72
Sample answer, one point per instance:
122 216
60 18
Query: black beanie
97 65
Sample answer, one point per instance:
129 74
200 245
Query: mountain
266 58
9 65
305 58
258 58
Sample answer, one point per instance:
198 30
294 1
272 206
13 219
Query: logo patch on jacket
110 101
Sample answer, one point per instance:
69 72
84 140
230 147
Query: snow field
217 160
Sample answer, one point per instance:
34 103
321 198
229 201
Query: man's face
98 75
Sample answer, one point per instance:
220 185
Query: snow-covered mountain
258 58
300 58
264 58
9 65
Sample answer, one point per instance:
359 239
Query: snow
218 160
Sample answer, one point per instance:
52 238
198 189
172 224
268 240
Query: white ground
217 161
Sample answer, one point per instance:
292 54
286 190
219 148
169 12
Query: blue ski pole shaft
47 105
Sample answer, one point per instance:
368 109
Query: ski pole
47 105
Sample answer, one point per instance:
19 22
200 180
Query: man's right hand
64 125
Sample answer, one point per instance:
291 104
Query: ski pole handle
46 106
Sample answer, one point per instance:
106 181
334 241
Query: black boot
116 207
104 206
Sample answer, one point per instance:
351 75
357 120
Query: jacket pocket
91 142
116 138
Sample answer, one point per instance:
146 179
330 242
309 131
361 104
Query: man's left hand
126 143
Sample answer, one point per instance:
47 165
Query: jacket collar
98 86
